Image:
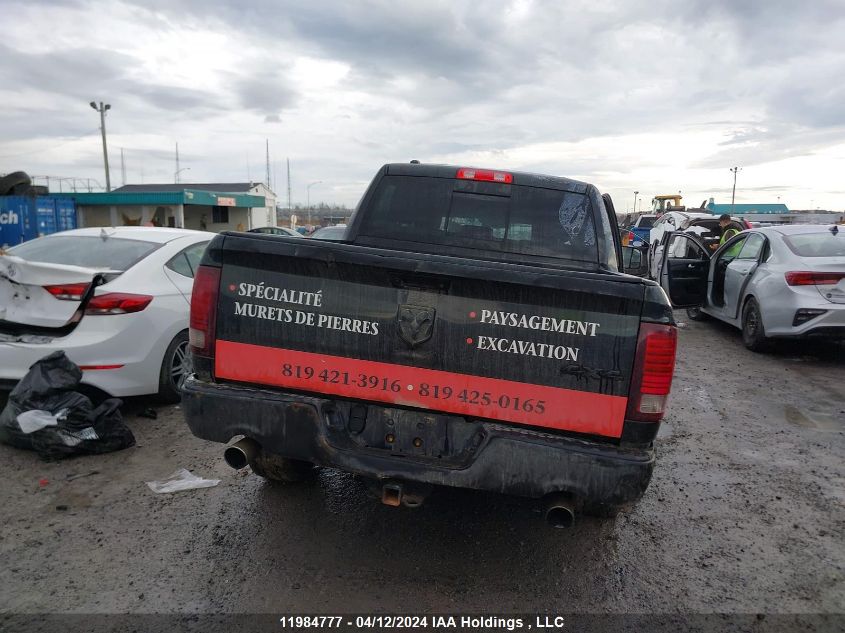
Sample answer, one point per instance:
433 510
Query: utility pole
102 108
176 172
267 159
288 161
122 168
733 192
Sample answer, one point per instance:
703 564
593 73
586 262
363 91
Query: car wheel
753 334
695 314
277 468
175 367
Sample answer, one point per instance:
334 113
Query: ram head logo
416 324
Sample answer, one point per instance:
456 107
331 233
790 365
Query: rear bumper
132 347
830 324
468 454
780 307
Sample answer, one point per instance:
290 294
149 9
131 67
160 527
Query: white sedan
116 300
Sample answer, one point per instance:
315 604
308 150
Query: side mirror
633 261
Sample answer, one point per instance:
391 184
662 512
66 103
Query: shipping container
24 218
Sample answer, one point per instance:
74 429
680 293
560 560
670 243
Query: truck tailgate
518 344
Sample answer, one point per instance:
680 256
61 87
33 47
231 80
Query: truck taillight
203 320
654 366
117 303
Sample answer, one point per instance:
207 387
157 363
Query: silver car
771 282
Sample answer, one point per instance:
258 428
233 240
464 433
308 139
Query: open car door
684 269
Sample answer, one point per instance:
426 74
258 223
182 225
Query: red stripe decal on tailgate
476 396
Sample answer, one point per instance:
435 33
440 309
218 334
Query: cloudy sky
656 96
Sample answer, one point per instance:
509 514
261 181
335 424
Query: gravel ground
744 515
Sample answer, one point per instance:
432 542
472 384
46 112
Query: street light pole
733 192
636 193
102 110
177 172
308 197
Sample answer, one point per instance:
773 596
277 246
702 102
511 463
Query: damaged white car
116 300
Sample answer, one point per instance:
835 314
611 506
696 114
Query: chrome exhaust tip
241 453
560 511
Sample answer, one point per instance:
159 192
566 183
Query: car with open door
772 282
705 225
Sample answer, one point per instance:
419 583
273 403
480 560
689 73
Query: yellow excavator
672 202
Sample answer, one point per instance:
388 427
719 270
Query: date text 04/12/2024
436 622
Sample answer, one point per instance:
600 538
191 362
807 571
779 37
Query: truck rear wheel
277 468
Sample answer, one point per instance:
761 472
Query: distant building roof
742 209
183 195
234 187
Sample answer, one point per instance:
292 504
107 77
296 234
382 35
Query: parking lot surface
745 514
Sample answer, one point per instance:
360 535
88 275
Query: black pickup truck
473 329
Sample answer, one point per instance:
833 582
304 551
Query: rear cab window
485 216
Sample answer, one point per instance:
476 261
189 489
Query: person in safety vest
726 231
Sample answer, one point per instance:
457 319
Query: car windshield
87 251
824 244
485 216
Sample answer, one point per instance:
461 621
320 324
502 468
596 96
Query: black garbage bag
81 428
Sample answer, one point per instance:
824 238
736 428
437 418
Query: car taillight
202 331
809 278
654 366
468 173
117 303
68 292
